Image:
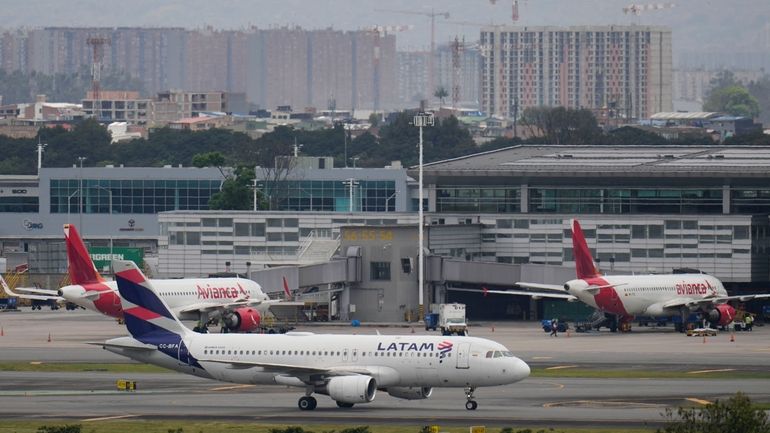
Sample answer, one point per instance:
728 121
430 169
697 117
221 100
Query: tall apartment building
413 75
280 66
593 67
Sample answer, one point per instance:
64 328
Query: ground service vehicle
451 319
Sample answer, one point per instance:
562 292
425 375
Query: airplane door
463 353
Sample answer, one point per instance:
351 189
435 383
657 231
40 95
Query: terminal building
492 219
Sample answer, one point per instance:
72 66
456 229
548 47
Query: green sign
102 256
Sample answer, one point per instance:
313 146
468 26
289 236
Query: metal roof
694 115
609 161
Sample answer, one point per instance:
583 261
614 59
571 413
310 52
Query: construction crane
97 43
638 9
514 9
432 15
378 32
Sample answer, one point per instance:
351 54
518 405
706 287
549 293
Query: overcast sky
705 24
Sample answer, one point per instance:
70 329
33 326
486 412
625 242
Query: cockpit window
507 354
498 354
489 354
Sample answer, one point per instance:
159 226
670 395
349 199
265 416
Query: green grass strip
74 367
645 374
140 426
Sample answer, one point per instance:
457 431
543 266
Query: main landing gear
471 403
307 403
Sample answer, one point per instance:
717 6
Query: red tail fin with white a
584 263
286 289
81 267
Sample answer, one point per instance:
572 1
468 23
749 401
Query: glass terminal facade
331 195
138 196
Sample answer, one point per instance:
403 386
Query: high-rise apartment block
624 68
280 66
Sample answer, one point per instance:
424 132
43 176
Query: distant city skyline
702 25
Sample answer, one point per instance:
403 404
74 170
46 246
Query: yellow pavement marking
542 357
711 371
560 367
762 350
105 418
36 362
554 384
699 401
227 388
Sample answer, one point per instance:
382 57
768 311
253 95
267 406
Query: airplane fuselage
394 361
178 294
632 295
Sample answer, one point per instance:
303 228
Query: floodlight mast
421 120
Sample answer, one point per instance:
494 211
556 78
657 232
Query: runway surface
533 402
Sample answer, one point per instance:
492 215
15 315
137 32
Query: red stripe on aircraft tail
132 275
584 263
142 313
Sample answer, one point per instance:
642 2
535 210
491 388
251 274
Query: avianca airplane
626 296
233 299
348 368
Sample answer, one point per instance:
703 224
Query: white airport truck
451 319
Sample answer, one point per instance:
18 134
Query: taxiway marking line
227 388
721 370
105 418
542 357
699 401
561 367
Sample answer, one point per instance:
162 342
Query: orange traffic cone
704 338
493 327
732 337
2 332
49 337
568 333
412 329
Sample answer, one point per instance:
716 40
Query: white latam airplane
239 302
348 368
626 296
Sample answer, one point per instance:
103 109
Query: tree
210 159
560 125
734 415
441 93
734 100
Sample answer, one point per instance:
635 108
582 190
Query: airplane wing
34 293
538 286
293 370
689 302
204 307
535 295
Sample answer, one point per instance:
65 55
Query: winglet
81 267
584 263
148 317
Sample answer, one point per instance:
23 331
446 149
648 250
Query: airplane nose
520 370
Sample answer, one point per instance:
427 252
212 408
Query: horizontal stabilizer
538 286
535 295
124 343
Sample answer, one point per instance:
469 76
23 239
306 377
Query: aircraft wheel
471 405
344 405
307 403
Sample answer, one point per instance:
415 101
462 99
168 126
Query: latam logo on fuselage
209 292
406 347
694 288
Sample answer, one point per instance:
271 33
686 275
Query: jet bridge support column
344 300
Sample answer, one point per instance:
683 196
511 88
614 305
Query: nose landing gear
471 403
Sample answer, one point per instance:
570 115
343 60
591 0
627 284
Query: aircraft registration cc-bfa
348 368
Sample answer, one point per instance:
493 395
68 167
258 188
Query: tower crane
432 15
638 9
378 32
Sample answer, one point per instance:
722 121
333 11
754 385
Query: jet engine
351 389
244 319
721 315
410 392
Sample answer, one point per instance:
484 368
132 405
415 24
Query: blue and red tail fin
584 263
147 316
81 267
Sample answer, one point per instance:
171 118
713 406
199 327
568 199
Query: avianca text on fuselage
209 292
696 288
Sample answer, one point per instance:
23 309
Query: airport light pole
69 203
80 195
109 210
421 120
350 183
